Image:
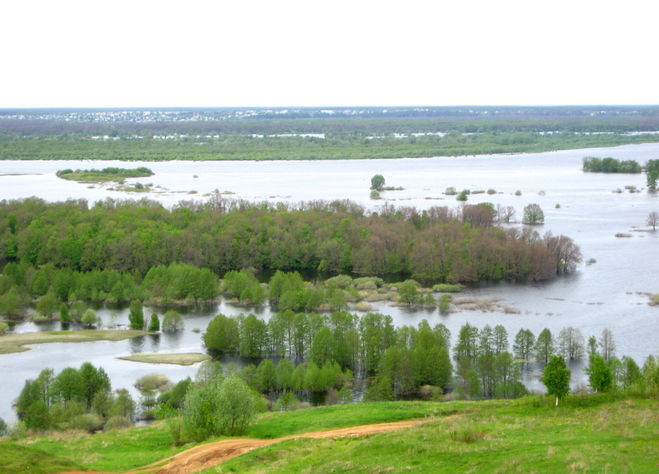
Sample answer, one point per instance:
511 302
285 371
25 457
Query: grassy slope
622 436
527 435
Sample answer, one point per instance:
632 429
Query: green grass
275 425
618 436
16 458
116 450
17 342
586 434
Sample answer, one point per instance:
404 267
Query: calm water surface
607 294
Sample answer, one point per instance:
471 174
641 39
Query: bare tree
607 344
570 343
653 220
505 213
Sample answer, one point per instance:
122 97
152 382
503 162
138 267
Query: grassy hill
602 433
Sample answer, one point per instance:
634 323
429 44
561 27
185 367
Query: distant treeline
610 165
440 244
347 144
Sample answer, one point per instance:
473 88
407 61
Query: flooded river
610 293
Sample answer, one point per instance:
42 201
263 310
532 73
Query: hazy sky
137 53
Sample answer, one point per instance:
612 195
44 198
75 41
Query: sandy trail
208 455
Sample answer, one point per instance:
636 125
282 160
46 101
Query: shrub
89 422
117 422
447 288
153 383
286 402
172 321
466 434
3 427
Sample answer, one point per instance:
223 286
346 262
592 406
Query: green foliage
47 304
172 321
216 408
599 374
90 318
222 335
610 165
105 174
652 172
154 323
104 253
136 315
533 215
445 303
408 292
380 389
377 182
556 377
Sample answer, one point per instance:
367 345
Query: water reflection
137 344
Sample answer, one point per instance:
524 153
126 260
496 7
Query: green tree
172 321
136 315
236 408
544 346
533 215
47 304
89 318
409 292
599 374
523 345
154 323
556 377
64 314
377 182
253 337
222 335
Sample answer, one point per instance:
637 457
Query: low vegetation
118 175
610 165
177 359
17 342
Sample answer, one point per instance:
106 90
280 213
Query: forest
118 251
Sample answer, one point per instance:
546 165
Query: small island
117 175
176 359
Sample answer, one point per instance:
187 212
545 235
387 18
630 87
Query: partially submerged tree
653 220
533 215
377 182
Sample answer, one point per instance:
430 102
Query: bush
214 409
89 422
172 321
445 303
153 383
117 422
3 427
466 434
286 402
447 288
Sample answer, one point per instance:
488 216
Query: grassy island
17 342
118 175
176 359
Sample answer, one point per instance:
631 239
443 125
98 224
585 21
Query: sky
226 53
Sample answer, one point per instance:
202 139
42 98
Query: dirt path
208 455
